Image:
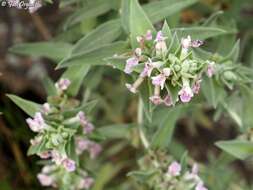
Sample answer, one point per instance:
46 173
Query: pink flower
197 43
161 47
186 42
156 99
160 79
56 157
195 169
88 128
37 124
86 183
130 64
45 180
210 69
94 150
196 87
48 169
34 5
45 154
63 84
46 108
159 36
168 100
81 145
82 119
148 68
138 52
174 169
148 35
69 164
200 186
186 94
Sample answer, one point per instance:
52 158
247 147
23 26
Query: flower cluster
189 179
164 173
60 126
50 175
174 70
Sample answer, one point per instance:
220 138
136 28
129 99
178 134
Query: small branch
40 25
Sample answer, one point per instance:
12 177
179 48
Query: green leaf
175 43
105 174
165 131
125 7
138 22
142 176
116 131
173 91
49 86
37 148
52 50
234 53
145 93
95 57
27 106
76 75
233 105
90 10
102 35
86 108
200 32
159 10
167 32
213 92
71 150
238 148
212 18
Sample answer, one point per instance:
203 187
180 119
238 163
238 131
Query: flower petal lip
185 94
174 169
159 80
130 64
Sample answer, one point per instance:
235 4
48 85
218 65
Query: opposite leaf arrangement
174 69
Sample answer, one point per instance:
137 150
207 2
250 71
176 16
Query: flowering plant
63 134
175 73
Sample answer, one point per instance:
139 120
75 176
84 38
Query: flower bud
230 76
177 67
65 135
210 68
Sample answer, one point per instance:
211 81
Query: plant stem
140 123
